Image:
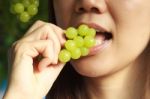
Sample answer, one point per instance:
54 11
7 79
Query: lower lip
99 48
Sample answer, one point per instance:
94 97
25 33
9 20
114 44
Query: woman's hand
31 77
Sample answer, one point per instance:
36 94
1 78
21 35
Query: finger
60 33
46 49
48 76
27 51
48 56
47 32
46 27
36 25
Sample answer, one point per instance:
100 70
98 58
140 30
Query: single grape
84 51
70 45
32 9
26 3
36 3
71 32
91 32
89 41
79 41
18 8
83 29
64 56
31 1
24 17
75 53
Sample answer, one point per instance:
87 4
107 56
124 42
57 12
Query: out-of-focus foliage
11 29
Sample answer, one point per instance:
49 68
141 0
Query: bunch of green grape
24 9
78 43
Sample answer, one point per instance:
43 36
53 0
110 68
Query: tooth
98 42
97 30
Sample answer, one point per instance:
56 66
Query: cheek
63 12
132 20
132 26
125 10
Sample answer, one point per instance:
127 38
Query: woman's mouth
103 40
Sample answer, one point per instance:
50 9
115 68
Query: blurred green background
11 29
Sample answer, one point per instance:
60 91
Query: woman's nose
92 6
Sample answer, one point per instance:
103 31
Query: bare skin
118 71
30 79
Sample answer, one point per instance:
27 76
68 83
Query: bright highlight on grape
78 43
24 9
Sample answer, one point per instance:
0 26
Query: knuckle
19 46
18 49
39 22
49 42
47 26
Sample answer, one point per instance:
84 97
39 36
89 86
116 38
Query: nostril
95 10
81 10
92 10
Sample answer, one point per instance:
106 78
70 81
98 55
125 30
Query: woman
118 68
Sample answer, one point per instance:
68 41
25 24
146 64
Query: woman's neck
128 83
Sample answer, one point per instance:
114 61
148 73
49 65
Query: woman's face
127 23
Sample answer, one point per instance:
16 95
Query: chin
93 68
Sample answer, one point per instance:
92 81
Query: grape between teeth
78 42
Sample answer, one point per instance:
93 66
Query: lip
99 48
101 28
95 26
105 44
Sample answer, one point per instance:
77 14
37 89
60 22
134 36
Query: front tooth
98 41
97 30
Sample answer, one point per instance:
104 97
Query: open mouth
105 35
102 37
103 40
101 32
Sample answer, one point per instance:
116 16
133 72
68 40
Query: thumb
47 77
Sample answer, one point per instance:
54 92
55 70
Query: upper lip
97 27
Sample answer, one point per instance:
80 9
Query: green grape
64 56
31 1
36 2
75 53
32 9
24 17
71 32
83 29
24 9
91 32
89 41
84 51
79 41
18 8
70 45
26 3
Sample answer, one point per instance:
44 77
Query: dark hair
51 12
69 84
